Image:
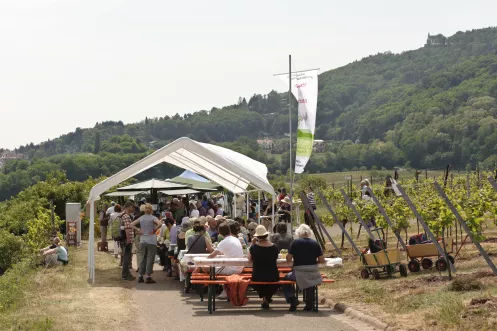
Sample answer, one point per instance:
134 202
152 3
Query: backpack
117 233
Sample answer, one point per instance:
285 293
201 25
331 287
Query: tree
96 150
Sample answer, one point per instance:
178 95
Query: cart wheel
426 263
364 273
413 266
403 270
441 264
376 274
390 269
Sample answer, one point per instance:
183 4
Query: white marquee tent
229 169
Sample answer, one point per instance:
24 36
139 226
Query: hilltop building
5 156
436 40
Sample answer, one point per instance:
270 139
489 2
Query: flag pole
290 125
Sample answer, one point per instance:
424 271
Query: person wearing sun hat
285 210
264 255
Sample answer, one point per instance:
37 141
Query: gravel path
162 306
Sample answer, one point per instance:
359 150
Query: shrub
12 249
14 282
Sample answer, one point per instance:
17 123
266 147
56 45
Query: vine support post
354 209
425 226
305 202
387 219
337 221
465 226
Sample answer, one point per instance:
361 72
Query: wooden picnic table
233 262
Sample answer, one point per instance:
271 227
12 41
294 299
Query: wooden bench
198 276
211 284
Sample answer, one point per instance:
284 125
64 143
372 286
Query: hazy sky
70 63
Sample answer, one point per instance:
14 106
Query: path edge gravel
359 315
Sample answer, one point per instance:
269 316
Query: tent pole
247 197
290 125
272 217
91 247
259 204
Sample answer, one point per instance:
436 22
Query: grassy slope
61 298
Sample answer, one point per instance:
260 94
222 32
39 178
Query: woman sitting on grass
55 254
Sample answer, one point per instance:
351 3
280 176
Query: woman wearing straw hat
285 210
264 255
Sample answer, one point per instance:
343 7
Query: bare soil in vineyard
426 300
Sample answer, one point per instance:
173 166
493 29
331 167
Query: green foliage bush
14 283
12 249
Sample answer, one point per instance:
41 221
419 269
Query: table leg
209 300
316 299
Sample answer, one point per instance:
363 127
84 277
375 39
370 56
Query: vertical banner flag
305 90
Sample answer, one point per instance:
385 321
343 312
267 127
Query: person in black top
264 255
304 251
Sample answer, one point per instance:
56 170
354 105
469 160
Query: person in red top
127 245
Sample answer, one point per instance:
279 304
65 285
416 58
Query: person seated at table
282 239
251 231
55 254
306 254
181 241
243 229
264 255
191 232
230 247
212 227
199 243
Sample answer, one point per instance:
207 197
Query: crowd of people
203 227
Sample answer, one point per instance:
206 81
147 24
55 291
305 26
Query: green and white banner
305 90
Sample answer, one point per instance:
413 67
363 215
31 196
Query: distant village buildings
5 156
436 40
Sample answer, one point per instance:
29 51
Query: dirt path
162 306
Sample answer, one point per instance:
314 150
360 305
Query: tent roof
197 185
229 169
179 192
125 194
153 184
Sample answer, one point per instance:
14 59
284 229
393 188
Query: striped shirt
130 233
312 201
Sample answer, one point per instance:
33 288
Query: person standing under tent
127 245
194 213
111 210
220 200
284 210
103 219
149 225
220 210
210 209
112 219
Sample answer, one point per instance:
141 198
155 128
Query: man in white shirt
229 247
110 210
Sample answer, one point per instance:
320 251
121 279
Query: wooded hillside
423 108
